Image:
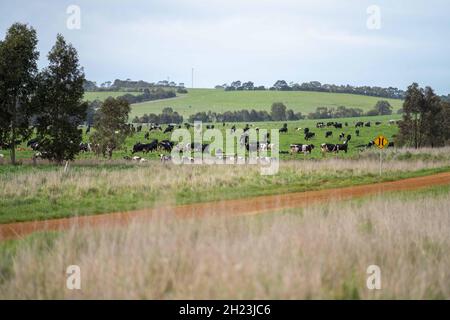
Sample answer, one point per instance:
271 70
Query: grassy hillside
219 100
91 96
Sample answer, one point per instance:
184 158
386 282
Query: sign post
381 142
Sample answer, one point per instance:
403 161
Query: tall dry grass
315 253
157 177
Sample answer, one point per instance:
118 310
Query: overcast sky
258 40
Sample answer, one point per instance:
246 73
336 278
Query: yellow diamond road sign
381 142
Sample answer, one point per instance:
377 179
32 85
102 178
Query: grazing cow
328 134
309 135
327 147
346 124
349 137
359 124
169 129
368 124
306 130
166 145
377 123
320 125
149 147
342 147
283 130
330 124
342 136
357 132
338 125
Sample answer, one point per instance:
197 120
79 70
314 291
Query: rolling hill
198 100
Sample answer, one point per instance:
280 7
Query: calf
328 134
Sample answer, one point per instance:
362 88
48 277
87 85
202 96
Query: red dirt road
247 206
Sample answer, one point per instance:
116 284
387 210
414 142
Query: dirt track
247 206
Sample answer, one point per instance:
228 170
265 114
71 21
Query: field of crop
198 100
321 252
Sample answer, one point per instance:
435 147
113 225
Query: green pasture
293 136
198 100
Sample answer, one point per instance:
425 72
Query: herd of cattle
168 146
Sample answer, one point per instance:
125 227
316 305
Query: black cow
338 125
357 132
368 124
342 147
306 130
283 130
169 129
166 145
327 147
330 124
349 137
359 124
377 123
328 134
149 147
309 135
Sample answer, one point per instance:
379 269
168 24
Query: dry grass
320 252
155 176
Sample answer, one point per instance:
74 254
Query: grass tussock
315 253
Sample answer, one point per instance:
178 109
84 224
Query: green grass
197 100
292 137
